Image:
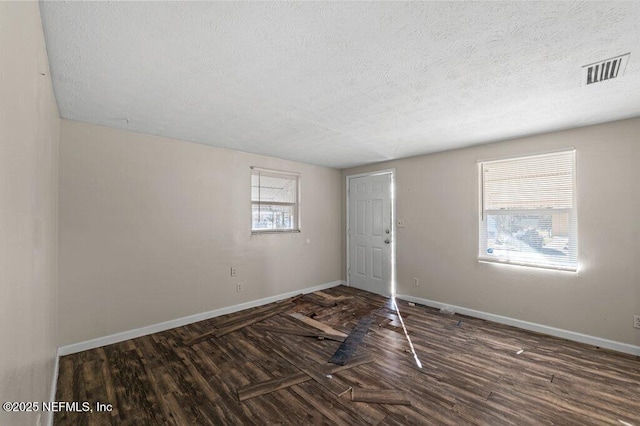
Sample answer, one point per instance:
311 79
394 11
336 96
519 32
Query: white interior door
370 233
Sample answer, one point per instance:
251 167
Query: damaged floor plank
380 396
235 326
318 300
273 385
327 381
331 297
253 312
300 332
318 372
350 344
317 324
155 379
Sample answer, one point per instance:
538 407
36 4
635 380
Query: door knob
386 231
386 241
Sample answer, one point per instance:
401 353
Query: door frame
392 173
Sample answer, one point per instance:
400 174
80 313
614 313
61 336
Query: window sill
527 265
276 231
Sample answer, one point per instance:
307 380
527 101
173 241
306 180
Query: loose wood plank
327 381
273 385
331 297
380 396
319 300
300 332
253 312
317 324
277 309
348 347
319 373
269 386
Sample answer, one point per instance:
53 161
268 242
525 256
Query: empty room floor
473 371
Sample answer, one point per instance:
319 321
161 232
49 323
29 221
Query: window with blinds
274 201
528 211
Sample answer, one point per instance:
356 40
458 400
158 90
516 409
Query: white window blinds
528 211
274 201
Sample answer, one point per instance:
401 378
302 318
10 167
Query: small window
274 201
528 211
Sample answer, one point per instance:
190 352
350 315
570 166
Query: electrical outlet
636 321
416 281
239 287
234 272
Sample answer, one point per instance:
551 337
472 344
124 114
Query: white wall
437 195
29 134
149 228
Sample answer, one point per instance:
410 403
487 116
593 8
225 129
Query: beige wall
29 129
437 195
149 228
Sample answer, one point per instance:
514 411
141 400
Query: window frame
296 205
572 215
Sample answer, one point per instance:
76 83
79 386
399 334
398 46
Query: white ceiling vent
604 70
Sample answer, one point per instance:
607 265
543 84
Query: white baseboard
178 322
557 332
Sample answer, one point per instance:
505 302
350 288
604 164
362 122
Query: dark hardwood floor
471 373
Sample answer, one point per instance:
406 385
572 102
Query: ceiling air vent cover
604 70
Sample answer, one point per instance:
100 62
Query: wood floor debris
320 373
268 365
350 344
380 396
318 300
323 374
336 299
300 332
323 299
317 324
249 318
268 386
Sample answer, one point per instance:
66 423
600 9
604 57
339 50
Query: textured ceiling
340 84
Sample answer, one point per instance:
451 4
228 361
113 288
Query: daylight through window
528 211
274 201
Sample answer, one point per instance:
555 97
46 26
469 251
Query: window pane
268 188
266 217
528 211
533 239
274 201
